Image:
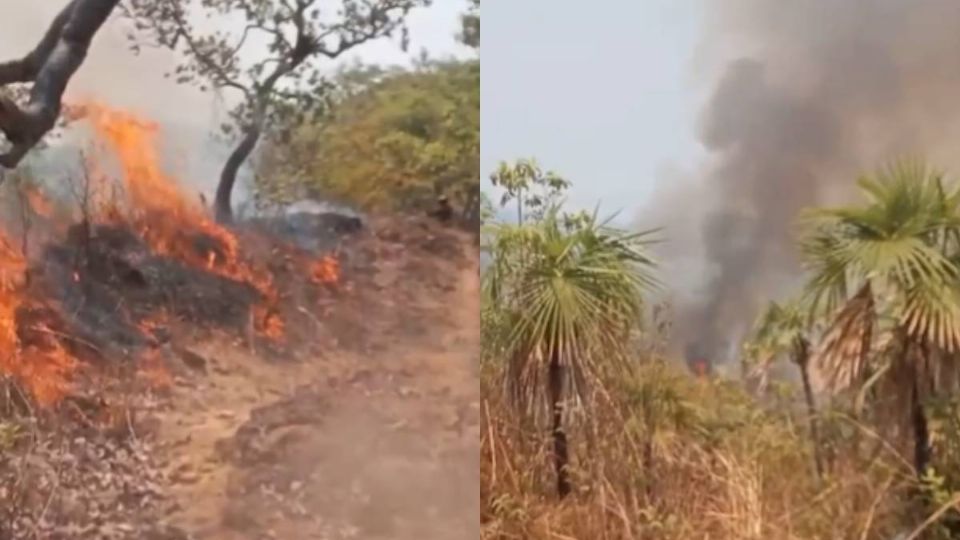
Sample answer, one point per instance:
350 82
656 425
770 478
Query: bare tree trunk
50 65
561 454
261 104
228 175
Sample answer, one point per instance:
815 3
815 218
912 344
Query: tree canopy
273 62
394 139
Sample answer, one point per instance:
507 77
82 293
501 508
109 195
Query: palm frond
900 252
931 313
575 287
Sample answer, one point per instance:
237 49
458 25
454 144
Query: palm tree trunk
561 456
803 363
921 431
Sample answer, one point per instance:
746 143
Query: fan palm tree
786 330
886 273
572 289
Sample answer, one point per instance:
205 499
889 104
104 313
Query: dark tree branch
205 57
246 32
228 175
26 68
50 66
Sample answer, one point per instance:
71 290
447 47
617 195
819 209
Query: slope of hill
165 378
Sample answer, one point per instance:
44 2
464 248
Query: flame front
168 221
43 368
171 224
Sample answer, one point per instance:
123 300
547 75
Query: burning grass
29 353
139 259
325 271
171 224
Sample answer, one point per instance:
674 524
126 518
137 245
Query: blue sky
604 95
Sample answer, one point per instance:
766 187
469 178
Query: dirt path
354 447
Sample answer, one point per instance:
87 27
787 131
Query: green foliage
570 288
675 457
531 188
885 274
903 239
487 211
270 54
660 399
395 139
274 60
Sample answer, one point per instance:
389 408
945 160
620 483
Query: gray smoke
805 96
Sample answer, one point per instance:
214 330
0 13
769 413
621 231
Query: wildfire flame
43 368
326 270
268 322
169 221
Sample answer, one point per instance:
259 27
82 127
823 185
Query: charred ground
167 378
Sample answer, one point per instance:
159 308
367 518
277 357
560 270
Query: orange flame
268 322
44 369
326 270
167 220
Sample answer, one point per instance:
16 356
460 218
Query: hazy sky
604 95
601 92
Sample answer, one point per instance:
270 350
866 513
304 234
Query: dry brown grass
726 469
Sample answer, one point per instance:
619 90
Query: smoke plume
804 97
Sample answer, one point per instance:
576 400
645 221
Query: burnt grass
108 295
108 282
85 468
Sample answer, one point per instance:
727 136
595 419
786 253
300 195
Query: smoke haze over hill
804 96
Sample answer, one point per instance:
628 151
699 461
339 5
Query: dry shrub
665 457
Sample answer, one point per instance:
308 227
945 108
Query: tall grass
663 456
